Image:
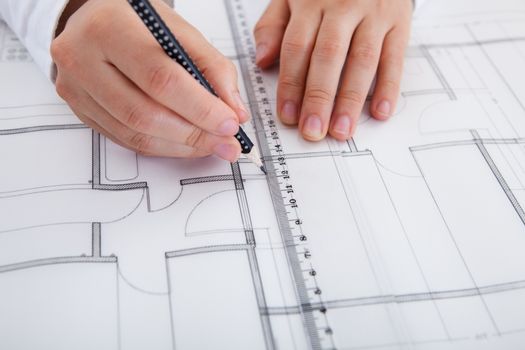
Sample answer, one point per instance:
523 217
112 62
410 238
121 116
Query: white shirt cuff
34 22
418 3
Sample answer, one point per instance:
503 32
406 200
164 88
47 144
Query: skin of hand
118 80
330 51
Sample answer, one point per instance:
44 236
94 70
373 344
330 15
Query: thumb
269 32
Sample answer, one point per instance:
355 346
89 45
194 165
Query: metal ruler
286 206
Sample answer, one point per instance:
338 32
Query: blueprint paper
409 236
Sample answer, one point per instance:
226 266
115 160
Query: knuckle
389 84
141 143
291 82
194 138
64 91
261 27
266 26
329 49
56 49
351 97
216 63
295 47
97 26
161 78
138 119
61 87
319 95
365 54
63 55
205 114
345 8
393 62
221 64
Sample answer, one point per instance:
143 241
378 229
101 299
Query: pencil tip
255 158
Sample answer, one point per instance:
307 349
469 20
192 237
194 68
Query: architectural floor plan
409 236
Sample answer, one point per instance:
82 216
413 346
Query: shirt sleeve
418 3
34 22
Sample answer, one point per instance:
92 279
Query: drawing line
41 128
405 298
56 261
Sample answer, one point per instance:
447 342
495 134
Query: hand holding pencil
174 49
120 82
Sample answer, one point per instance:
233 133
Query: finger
269 32
142 60
326 65
199 141
124 101
218 70
128 104
389 74
297 46
175 151
361 67
222 75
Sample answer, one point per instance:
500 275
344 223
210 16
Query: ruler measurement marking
271 146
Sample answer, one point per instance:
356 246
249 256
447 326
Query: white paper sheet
410 236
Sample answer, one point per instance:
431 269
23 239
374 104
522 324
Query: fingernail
342 126
228 127
289 113
384 108
243 112
227 152
313 127
260 52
